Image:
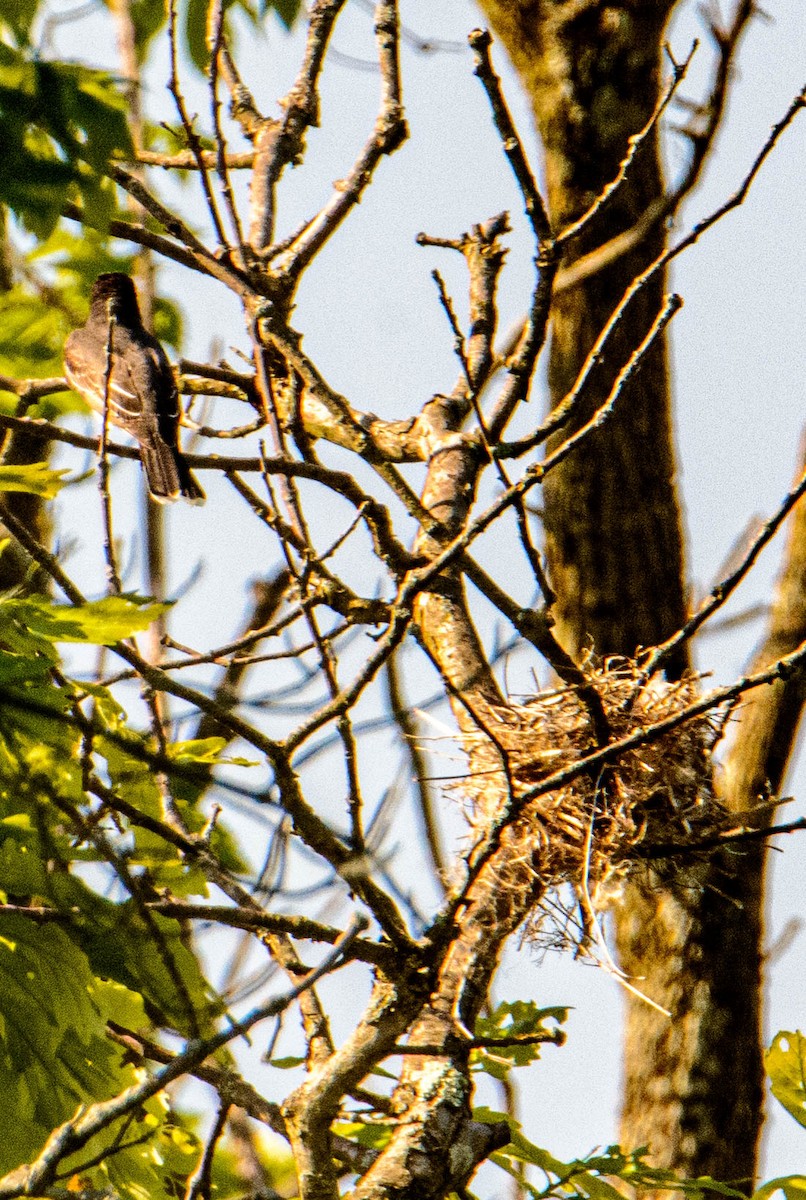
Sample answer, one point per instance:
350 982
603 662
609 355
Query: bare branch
281 144
388 135
723 590
193 139
702 142
113 575
480 42
294 924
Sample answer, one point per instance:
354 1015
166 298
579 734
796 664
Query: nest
653 803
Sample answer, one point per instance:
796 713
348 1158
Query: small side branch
388 135
480 43
279 144
112 573
725 588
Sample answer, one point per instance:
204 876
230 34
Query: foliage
786 1067
36 478
94 960
60 126
56 1055
590 1178
286 11
793 1187
522 1023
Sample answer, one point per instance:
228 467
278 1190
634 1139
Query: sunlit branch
296 925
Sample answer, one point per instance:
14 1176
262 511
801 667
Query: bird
137 388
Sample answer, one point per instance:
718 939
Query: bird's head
114 295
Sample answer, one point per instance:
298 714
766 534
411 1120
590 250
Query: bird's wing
142 369
141 391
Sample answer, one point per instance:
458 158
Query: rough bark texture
17 570
706 1086
613 532
693 1084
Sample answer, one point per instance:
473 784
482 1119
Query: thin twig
521 366
388 135
215 42
315 832
702 143
480 43
199 1182
193 139
563 411
140 235
279 144
375 514
537 472
722 590
404 719
634 144
112 573
185 160
295 925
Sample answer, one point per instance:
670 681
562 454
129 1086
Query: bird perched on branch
118 366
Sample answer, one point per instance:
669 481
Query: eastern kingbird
140 392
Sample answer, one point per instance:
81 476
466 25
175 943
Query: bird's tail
168 476
189 488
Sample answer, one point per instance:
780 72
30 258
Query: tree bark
18 572
692 1083
613 533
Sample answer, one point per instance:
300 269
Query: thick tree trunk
693 1083
703 958
614 541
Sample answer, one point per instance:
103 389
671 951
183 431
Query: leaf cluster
78 948
61 123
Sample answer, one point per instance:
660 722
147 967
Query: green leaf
99 622
287 1063
196 34
37 734
200 750
519 1019
21 868
792 1186
589 1178
37 478
32 334
128 758
785 1063
54 1053
60 125
286 10
145 954
17 17
232 1177
168 323
148 18
376 1137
